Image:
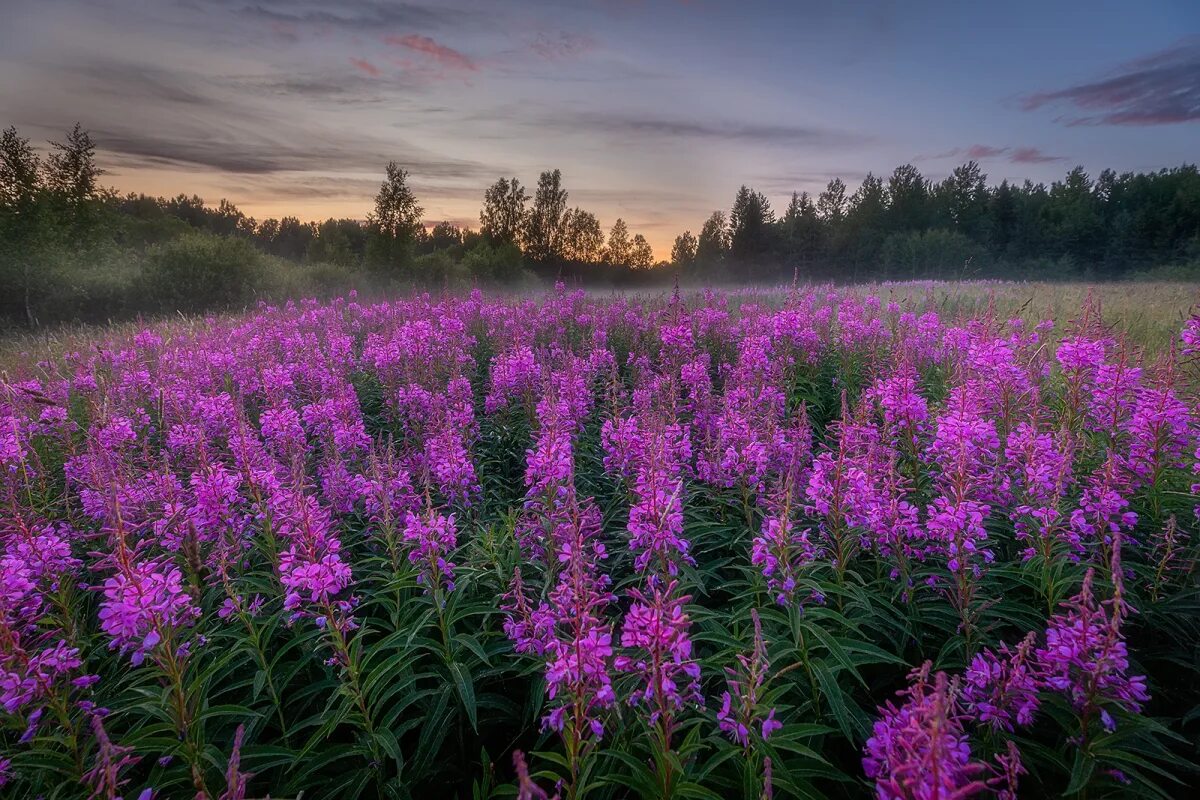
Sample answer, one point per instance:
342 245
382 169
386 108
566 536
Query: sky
655 110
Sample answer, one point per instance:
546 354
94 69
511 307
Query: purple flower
432 537
142 604
530 628
1085 657
578 657
919 750
235 780
656 629
741 705
781 552
1000 689
104 778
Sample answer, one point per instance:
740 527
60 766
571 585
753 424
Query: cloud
351 15
366 67
446 56
1032 155
561 46
142 116
982 152
752 133
1160 89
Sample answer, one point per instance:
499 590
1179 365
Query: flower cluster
919 749
656 628
144 605
432 537
742 712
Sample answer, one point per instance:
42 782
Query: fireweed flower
781 553
29 678
1035 483
1159 433
1085 657
514 374
656 628
919 749
1103 506
656 523
836 478
965 448
311 568
432 537
577 675
530 628
144 604
236 780
742 714
880 507
526 788
104 778
656 454
1111 397
235 443
1000 688
905 411
549 478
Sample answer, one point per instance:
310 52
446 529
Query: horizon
294 110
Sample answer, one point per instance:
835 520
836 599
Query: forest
73 249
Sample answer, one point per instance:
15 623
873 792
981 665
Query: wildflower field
806 543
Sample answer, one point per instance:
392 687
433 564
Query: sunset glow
656 111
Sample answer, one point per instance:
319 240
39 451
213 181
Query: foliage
58 225
198 271
804 544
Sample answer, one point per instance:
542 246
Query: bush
98 286
496 264
439 270
323 279
201 271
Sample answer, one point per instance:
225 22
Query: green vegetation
72 250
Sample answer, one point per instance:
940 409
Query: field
901 540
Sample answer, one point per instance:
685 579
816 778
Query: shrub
201 271
501 263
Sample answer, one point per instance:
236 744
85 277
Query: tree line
71 248
909 227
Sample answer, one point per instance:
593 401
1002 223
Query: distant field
1149 313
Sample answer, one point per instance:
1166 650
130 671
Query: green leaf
466 692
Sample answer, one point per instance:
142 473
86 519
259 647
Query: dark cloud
561 45
1161 89
237 125
254 149
786 184
363 16
750 133
307 187
1032 155
982 152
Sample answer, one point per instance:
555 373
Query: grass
1149 313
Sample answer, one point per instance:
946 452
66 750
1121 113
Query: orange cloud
446 56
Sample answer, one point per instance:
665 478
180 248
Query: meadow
914 540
